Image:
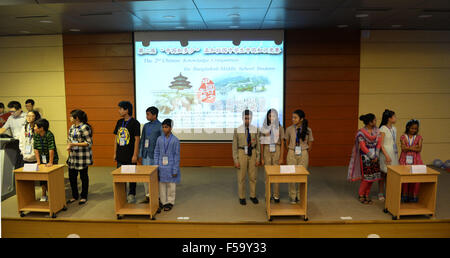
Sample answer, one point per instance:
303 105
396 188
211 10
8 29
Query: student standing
44 149
246 156
29 105
16 124
411 144
299 140
3 115
79 147
126 143
150 133
26 142
167 156
389 150
364 163
272 145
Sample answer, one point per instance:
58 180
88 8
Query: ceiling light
425 16
74 30
342 26
24 31
234 27
179 27
396 26
362 15
168 16
234 15
46 21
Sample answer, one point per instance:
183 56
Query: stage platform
207 196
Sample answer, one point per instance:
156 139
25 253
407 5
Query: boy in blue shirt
167 156
150 133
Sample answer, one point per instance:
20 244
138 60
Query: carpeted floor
208 194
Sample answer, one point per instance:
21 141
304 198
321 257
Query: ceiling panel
237 15
232 4
136 6
184 15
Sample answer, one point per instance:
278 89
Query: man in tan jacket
246 156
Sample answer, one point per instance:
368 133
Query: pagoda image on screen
180 83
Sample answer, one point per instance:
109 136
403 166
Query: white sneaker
44 199
131 198
293 201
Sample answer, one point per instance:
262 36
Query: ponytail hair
81 115
367 118
304 131
385 118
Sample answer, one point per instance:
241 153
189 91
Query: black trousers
131 186
73 176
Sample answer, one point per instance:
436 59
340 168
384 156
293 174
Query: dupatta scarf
354 167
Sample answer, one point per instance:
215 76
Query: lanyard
28 133
42 144
393 134
166 145
149 130
125 124
297 135
411 142
75 131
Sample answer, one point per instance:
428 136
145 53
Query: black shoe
276 200
168 207
82 201
254 200
242 201
296 199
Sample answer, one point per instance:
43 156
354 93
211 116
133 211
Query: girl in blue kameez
167 156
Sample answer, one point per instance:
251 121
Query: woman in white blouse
389 150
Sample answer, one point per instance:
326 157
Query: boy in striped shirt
44 149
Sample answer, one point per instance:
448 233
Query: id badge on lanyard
28 144
410 158
246 150
44 159
28 148
298 150
146 144
394 140
272 147
165 158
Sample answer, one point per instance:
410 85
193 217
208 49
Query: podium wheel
22 214
153 218
385 210
305 219
270 219
394 217
119 216
53 215
64 208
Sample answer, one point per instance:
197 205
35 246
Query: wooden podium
144 174
273 175
26 196
396 176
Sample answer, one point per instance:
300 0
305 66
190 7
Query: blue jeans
147 161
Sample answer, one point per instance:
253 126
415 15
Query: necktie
249 142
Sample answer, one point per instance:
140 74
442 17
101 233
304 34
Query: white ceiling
18 17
